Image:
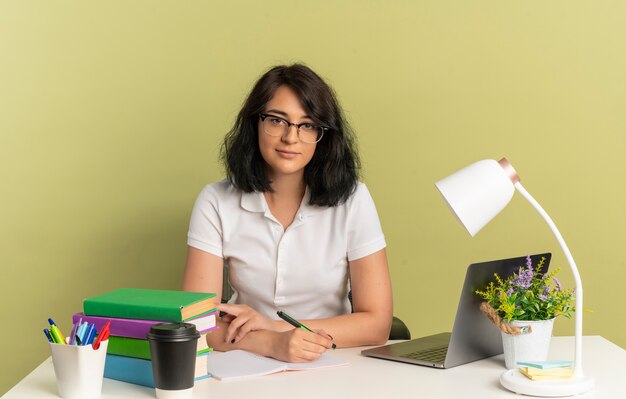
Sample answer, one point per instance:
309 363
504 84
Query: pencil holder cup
79 370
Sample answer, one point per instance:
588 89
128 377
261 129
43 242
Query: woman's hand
242 319
299 345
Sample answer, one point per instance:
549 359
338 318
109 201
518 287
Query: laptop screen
473 335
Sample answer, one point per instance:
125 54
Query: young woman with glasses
293 226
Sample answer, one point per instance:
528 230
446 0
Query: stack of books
132 311
547 370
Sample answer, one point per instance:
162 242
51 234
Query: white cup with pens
79 369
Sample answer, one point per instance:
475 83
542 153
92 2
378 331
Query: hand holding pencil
297 324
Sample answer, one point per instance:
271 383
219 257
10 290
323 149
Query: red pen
101 337
104 334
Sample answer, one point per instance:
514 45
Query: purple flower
509 291
529 262
524 278
558 284
544 295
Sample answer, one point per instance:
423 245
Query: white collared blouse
302 270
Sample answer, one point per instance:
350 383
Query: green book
130 347
140 348
148 304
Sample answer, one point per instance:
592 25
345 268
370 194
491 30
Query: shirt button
301 217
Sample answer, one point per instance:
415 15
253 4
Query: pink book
136 328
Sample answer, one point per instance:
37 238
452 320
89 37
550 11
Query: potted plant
524 307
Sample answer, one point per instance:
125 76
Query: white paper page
325 360
242 364
239 364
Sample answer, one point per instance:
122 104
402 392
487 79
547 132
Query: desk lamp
476 194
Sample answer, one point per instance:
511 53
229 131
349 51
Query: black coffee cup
173 348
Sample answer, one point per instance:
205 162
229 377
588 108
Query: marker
92 336
45 331
89 335
55 334
82 331
296 323
54 326
75 331
103 335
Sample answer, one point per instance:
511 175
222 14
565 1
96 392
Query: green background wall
111 115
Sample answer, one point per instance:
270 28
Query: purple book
136 328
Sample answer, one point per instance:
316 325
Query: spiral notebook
237 364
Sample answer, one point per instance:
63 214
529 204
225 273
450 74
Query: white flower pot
527 347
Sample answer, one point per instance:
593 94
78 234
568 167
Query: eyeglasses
307 132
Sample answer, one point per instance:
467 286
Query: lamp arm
578 360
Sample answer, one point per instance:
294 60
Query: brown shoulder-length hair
333 172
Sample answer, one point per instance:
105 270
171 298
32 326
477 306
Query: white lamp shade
477 193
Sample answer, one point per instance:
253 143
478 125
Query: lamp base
515 381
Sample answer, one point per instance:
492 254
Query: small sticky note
547 364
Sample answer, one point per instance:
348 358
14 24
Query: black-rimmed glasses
307 132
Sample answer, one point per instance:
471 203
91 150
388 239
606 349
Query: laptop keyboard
435 355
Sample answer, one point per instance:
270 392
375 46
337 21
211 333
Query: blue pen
90 334
45 331
82 331
77 333
92 338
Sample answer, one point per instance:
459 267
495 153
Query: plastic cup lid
173 332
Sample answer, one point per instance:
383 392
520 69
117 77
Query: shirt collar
306 209
255 202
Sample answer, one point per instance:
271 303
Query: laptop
473 336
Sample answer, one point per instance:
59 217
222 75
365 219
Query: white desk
370 378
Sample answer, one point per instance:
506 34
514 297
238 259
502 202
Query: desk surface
370 378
